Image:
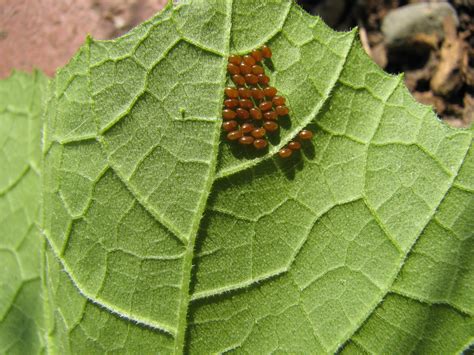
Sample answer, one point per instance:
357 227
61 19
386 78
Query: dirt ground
45 34
439 69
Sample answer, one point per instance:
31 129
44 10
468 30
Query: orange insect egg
228 114
257 55
234 135
294 145
278 100
238 79
233 69
256 113
305 134
263 79
257 93
265 105
270 91
285 152
249 60
235 59
247 127
245 69
270 115
231 92
231 103
266 52
282 110
246 103
246 140
242 113
251 79
229 126
258 132
244 93
260 143
257 69
270 126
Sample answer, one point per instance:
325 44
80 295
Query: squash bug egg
229 126
282 110
260 143
294 145
266 52
228 114
257 55
256 113
249 60
234 135
246 140
231 92
235 59
285 152
305 134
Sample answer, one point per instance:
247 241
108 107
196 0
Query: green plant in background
155 237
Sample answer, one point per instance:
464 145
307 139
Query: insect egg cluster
252 107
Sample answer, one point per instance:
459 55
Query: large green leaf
20 155
161 238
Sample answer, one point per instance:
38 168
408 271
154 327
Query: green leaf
20 296
162 238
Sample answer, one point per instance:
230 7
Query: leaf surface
163 237
21 313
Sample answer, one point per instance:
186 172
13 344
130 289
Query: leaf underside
21 312
162 237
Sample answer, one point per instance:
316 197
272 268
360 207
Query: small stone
402 25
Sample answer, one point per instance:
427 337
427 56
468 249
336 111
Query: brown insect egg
258 132
282 110
270 126
249 60
235 59
285 152
305 134
270 91
278 100
266 52
246 103
263 79
257 69
234 135
257 55
238 79
246 140
229 126
242 113
228 114
233 69
294 145
244 93
256 113
270 115
251 79
245 69
231 92
265 105
231 103
260 143
257 93
247 127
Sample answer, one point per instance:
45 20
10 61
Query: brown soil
45 34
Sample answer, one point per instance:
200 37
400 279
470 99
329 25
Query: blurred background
432 42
